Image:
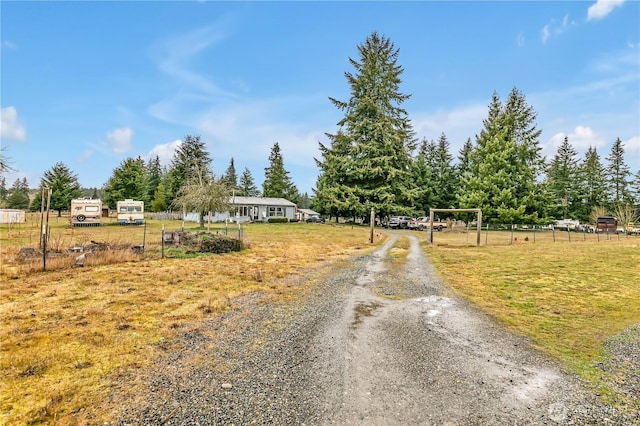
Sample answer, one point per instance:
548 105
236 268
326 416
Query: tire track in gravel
433 359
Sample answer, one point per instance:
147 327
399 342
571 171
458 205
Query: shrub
278 220
209 243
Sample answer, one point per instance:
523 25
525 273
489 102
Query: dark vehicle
607 224
399 222
315 219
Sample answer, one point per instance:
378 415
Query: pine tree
159 203
377 168
18 197
155 175
64 188
444 175
509 138
304 202
128 181
277 183
618 176
248 186
330 197
593 178
464 158
635 185
230 177
424 171
563 182
190 159
3 191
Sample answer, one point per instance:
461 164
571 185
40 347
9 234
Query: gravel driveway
367 345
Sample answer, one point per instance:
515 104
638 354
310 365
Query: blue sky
92 83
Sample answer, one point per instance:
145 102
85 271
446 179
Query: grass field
68 333
569 297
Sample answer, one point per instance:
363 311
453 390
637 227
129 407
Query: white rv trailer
86 212
130 212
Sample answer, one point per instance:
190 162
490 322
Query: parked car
315 219
633 228
422 223
399 222
418 224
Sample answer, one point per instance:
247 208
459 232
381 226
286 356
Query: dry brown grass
67 333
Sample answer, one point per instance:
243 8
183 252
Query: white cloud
632 145
602 8
119 140
457 124
84 156
174 55
581 139
545 33
520 39
9 45
164 151
555 29
10 126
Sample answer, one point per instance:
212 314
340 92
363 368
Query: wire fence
500 234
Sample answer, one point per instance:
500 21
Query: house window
276 212
242 211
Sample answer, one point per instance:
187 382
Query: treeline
188 181
374 160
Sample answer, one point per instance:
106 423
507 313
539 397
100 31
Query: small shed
13 216
304 214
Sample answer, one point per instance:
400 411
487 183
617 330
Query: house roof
308 212
261 201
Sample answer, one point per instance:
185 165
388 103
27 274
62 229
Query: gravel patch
364 345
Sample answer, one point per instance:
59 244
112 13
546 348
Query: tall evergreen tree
593 182
635 186
18 197
618 175
64 188
3 191
247 187
159 202
277 183
563 182
190 158
379 136
330 197
464 158
128 181
230 177
304 202
155 175
424 172
506 165
444 177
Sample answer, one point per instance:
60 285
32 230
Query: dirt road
371 345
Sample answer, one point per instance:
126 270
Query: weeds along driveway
372 342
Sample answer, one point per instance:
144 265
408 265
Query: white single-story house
12 216
252 209
304 214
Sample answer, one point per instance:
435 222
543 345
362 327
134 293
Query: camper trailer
86 212
130 212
